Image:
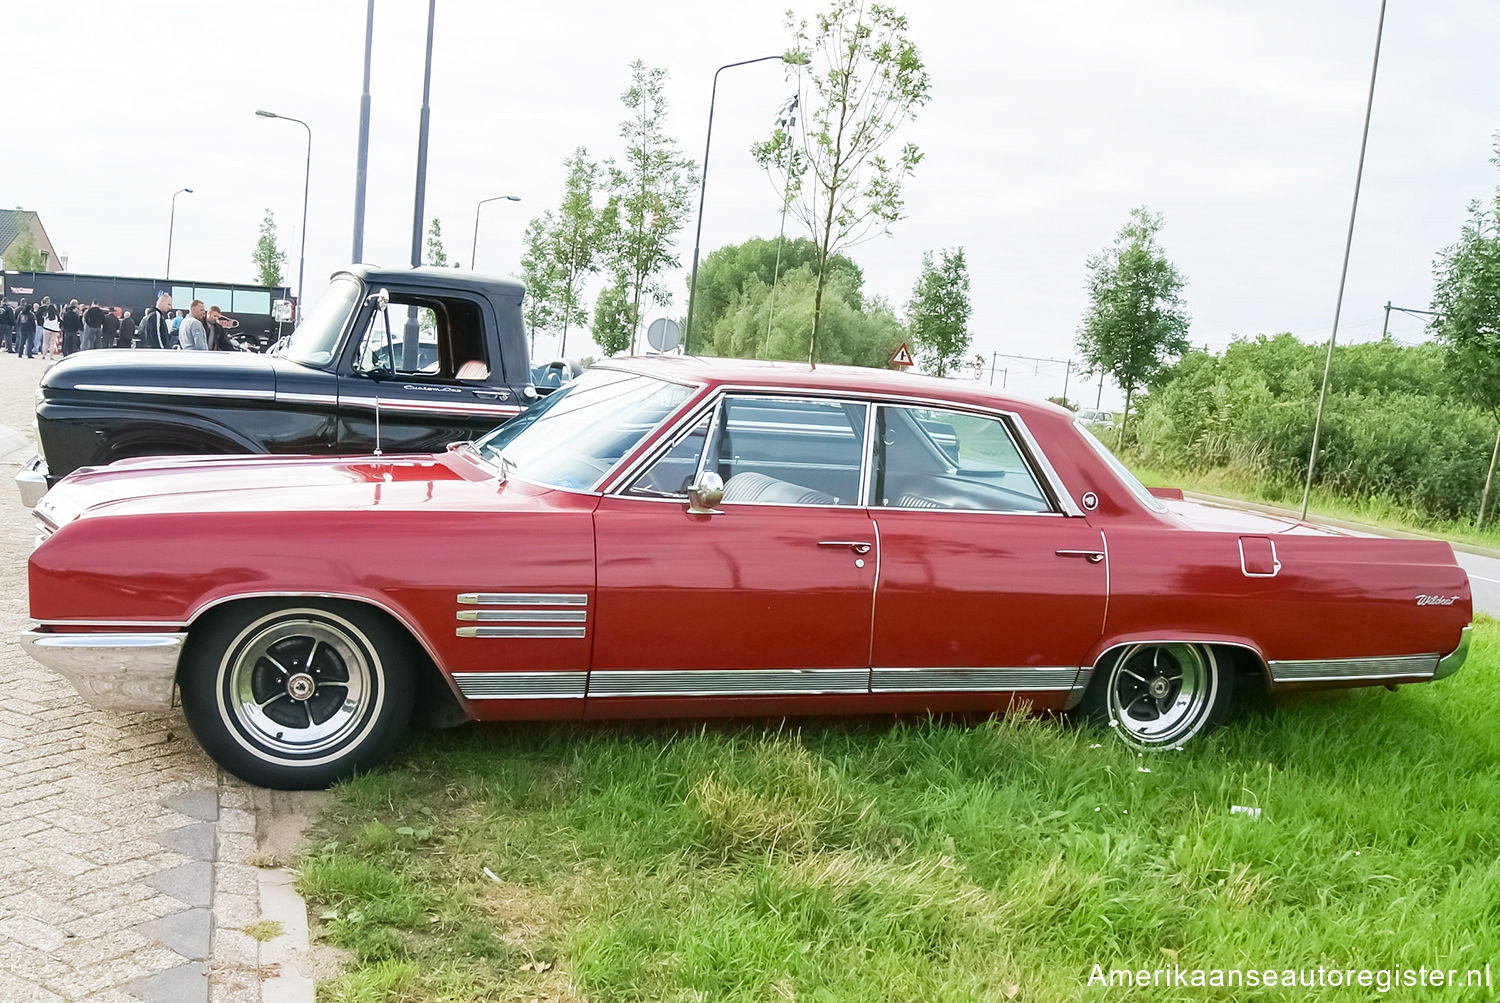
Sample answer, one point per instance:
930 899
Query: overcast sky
1239 122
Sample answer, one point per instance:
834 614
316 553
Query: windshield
317 337
1119 469
571 438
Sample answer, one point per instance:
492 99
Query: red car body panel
156 543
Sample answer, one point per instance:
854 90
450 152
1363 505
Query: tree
1466 300
539 275
23 255
650 195
867 79
268 258
1136 323
938 313
436 254
614 318
855 331
580 235
727 270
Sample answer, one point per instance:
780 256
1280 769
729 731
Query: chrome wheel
299 685
1162 694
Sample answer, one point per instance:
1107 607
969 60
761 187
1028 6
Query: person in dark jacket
8 326
27 327
72 327
154 325
127 331
111 328
93 327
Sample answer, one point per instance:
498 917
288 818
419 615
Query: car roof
449 278
770 375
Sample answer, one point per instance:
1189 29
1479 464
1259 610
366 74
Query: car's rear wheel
297 695
1160 695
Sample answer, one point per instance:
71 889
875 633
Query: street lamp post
172 225
306 177
492 198
687 332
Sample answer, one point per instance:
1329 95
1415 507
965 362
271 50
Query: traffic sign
901 356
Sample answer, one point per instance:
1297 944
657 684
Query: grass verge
863 859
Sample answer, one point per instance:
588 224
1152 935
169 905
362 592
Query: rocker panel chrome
522 685
1327 670
725 682
1033 678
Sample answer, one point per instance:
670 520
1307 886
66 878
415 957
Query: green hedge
1391 428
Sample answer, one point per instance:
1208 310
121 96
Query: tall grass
866 859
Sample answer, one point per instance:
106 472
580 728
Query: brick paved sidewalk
125 856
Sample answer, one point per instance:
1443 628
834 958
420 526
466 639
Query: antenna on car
377 423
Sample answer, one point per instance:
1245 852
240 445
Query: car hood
155 371
204 484
1213 517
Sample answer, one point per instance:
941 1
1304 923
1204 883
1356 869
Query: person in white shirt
192 334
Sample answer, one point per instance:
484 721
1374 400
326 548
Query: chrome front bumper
31 479
112 671
1451 663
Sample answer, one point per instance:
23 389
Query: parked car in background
1096 418
674 536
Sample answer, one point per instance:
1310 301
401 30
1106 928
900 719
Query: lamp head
266 114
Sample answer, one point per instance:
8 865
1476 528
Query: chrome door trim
524 615
559 632
523 599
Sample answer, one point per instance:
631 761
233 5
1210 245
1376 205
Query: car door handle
492 394
1092 556
858 546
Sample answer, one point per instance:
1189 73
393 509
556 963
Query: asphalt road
1484 581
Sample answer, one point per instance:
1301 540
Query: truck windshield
316 339
576 434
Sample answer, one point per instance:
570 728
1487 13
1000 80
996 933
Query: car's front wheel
1160 695
297 695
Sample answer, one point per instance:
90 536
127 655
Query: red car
698 537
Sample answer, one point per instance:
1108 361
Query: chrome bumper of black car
31 479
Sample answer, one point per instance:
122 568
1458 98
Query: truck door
443 384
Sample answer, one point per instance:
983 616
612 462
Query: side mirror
529 392
704 497
380 300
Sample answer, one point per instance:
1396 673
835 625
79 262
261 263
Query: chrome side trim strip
1324 670
296 398
121 388
433 406
520 631
725 682
524 616
1030 679
522 685
523 599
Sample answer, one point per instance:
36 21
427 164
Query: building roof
11 222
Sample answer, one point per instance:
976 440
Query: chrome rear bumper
1452 662
31 479
118 671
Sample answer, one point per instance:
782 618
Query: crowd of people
54 330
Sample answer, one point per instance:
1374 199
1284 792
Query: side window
934 459
450 340
672 474
777 450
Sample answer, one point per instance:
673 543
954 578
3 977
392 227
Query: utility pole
409 341
362 159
